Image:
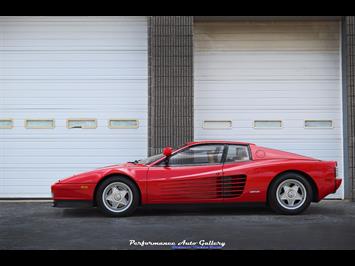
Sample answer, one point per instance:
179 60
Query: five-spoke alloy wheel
117 196
290 193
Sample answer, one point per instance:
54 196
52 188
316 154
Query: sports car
203 172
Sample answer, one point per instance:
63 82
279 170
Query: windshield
150 159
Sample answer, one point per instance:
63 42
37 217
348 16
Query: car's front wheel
117 196
290 193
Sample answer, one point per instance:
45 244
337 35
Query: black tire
274 203
134 202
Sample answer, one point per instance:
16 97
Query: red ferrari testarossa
203 172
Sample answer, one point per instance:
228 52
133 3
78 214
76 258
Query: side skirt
198 205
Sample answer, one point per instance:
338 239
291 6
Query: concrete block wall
350 73
170 81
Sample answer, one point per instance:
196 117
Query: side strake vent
233 186
206 188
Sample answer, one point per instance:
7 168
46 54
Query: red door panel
185 184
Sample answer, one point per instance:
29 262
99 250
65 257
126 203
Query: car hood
93 175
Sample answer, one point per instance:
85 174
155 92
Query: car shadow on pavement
176 211
201 210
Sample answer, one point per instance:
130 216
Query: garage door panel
284 71
80 44
293 114
78 151
261 61
279 67
97 71
266 27
118 106
69 68
75 167
26 191
265 57
79 68
38 182
74 148
265 101
33 137
251 36
79 102
262 85
66 91
47 146
118 89
77 154
251 94
101 158
269 45
247 127
270 107
267 75
50 33
75 57
255 136
300 73
65 74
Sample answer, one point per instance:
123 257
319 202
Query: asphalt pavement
329 224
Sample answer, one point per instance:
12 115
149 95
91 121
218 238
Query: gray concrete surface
37 225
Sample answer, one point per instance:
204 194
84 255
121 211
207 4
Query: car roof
217 141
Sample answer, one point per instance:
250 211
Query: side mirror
167 151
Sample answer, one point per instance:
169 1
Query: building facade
82 92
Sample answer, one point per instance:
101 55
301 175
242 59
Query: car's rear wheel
290 193
117 196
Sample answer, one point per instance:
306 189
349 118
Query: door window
198 155
237 153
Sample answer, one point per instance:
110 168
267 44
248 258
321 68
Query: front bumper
72 192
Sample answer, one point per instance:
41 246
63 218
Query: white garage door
277 84
88 69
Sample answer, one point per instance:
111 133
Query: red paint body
206 184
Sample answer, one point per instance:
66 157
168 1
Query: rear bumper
72 203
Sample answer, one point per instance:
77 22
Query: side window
237 153
82 123
198 155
